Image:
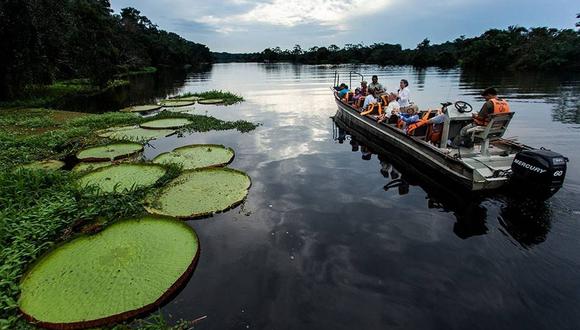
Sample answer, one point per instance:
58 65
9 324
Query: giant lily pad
90 166
210 101
197 156
127 269
109 152
47 165
172 103
185 98
123 177
166 123
197 193
135 134
141 108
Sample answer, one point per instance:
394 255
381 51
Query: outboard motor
540 172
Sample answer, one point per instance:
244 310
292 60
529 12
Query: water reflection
526 222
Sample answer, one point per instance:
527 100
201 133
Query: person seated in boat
342 90
376 85
392 109
362 91
373 97
492 105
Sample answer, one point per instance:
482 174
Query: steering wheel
463 107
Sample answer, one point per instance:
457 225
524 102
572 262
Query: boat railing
350 77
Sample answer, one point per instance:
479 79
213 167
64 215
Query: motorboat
490 163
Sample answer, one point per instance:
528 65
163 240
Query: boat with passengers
491 162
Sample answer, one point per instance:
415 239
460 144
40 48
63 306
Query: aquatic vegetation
184 98
211 101
122 177
76 284
134 133
109 152
168 123
198 193
176 103
48 165
197 156
227 97
90 166
141 108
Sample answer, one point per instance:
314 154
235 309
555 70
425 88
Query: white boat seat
498 124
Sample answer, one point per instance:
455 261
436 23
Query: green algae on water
109 152
127 269
202 192
123 177
197 156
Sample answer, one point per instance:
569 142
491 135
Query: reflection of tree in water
561 90
527 222
420 74
566 105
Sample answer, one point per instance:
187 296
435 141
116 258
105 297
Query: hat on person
489 91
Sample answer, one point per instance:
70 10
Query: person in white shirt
392 109
404 94
371 98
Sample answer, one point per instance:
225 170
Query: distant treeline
46 40
515 48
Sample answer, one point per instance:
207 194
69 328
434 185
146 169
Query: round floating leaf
167 123
123 177
127 269
185 98
142 108
197 156
109 152
197 193
210 101
90 166
133 133
48 165
179 103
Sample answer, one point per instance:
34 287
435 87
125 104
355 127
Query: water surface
326 240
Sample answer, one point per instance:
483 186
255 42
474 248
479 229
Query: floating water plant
109 152
202 192
197 156
133 133
167 123
123 177
174 103
141 108
185 98
210 101
90 166
127 269
48 165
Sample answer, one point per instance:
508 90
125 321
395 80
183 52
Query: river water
325 240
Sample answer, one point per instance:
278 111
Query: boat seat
498 124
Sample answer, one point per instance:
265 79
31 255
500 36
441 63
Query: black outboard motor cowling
539 172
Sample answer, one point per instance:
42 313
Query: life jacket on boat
499 106
423 121
371 107
434 133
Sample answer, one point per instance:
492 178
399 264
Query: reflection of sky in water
320 244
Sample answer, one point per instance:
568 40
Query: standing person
376 85
492 105
404 96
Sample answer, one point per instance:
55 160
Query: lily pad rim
153 108
211 101
166 127
178 285
221 165
96 159
202 215
175 103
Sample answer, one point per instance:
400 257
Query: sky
241 26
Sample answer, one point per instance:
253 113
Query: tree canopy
43 41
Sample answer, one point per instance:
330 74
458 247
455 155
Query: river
323 241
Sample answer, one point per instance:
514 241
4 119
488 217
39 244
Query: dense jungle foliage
515 48
44 41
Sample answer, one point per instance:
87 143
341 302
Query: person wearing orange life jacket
492 105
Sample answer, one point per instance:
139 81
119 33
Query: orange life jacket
499 106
